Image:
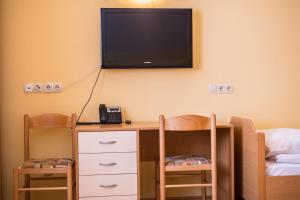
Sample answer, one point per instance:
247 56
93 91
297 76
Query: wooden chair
46 172
187 123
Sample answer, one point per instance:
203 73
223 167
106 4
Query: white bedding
287 158
282 169
282 141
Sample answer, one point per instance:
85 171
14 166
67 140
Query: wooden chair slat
187 123
49 120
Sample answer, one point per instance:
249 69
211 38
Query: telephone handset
110 114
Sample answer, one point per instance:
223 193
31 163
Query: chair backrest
48 121
187 123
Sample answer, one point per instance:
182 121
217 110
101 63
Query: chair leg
156 180
69 183
16 184
74 183
27 184
214 185
162 184
203 189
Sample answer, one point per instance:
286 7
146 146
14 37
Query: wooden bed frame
250 177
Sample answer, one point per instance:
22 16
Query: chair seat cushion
48 163
186 160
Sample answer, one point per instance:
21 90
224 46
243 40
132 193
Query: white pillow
288 158
282 141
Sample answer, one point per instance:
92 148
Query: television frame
159 10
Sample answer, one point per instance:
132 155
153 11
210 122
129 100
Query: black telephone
110 114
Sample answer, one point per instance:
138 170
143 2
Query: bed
256 178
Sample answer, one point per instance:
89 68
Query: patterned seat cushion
48 163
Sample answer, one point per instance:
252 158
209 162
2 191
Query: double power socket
221 88
43 87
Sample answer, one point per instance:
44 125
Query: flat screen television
146 38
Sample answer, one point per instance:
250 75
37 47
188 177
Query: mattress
282 169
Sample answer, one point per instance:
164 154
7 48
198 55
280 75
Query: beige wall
253 44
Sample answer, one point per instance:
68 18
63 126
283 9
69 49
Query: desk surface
133 126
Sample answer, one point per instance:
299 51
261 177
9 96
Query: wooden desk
147 150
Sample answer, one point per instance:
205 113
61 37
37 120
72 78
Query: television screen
146 38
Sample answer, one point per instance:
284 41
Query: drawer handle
108 186
108 142
108 164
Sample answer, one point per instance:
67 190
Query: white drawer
107 163
107 185
109 141
134 197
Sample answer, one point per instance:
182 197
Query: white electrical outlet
28 88
57 87
229 89
38 87
48 87
212 88
220 88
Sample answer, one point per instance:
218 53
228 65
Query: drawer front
110 141
107 163
107 185
134 197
